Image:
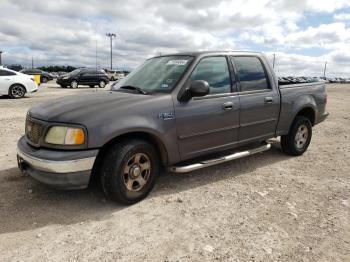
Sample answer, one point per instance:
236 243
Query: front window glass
215 71
159 74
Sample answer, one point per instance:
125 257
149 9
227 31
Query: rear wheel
129 171
102 84
17 91
299 137
74 84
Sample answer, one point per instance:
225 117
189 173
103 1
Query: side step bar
215 161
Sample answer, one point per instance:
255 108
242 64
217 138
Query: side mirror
199 88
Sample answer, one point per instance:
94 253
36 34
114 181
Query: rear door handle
268 100
227 106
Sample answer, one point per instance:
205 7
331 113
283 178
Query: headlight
62 135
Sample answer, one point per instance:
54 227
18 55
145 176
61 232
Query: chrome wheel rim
301 136
136 172
74 84
17 91
102 84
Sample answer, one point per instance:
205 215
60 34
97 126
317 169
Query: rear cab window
251 74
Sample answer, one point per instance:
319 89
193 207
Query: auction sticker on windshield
177 62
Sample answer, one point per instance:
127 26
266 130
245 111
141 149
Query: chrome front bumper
57 168
61 167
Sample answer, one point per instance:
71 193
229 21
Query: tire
17 91
44 79
74 84
63 86
121 172
112 78
91 86
102 84
299 137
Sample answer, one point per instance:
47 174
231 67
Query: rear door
6 80
210 123
259 100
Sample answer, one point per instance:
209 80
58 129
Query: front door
210 123
259 100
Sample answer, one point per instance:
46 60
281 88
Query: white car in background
114 74
16 84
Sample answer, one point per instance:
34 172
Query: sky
303 34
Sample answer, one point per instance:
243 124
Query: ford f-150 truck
182 111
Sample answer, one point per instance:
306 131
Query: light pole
111 36
273 63
0 57
324 71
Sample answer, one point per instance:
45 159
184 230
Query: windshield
159 74
74 72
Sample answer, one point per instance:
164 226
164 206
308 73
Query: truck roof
203 53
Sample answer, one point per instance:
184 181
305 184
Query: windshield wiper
138 89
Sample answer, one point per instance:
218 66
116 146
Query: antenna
96 62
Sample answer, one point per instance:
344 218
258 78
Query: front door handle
268 100
227 106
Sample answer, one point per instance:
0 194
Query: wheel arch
143 135
308 112
18 84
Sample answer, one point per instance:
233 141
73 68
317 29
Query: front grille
34 131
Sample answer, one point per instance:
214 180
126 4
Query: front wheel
17 91
299 137
129 171
74 84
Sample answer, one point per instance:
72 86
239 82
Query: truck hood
92 107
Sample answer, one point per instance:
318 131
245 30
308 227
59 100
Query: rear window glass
251 73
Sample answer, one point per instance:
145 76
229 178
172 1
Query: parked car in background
62 73
44 76
84 76
115 75
16 84
54 74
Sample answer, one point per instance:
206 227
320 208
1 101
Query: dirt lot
267 207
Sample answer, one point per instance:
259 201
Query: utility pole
273 63
325 68
111 36
0 58
32 62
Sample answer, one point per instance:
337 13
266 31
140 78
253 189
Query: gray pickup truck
182 111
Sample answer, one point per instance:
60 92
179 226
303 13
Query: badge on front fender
166 116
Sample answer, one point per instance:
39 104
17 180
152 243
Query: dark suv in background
44 76
84 76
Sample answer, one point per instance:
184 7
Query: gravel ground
267 207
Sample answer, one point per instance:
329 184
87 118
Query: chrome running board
215 161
